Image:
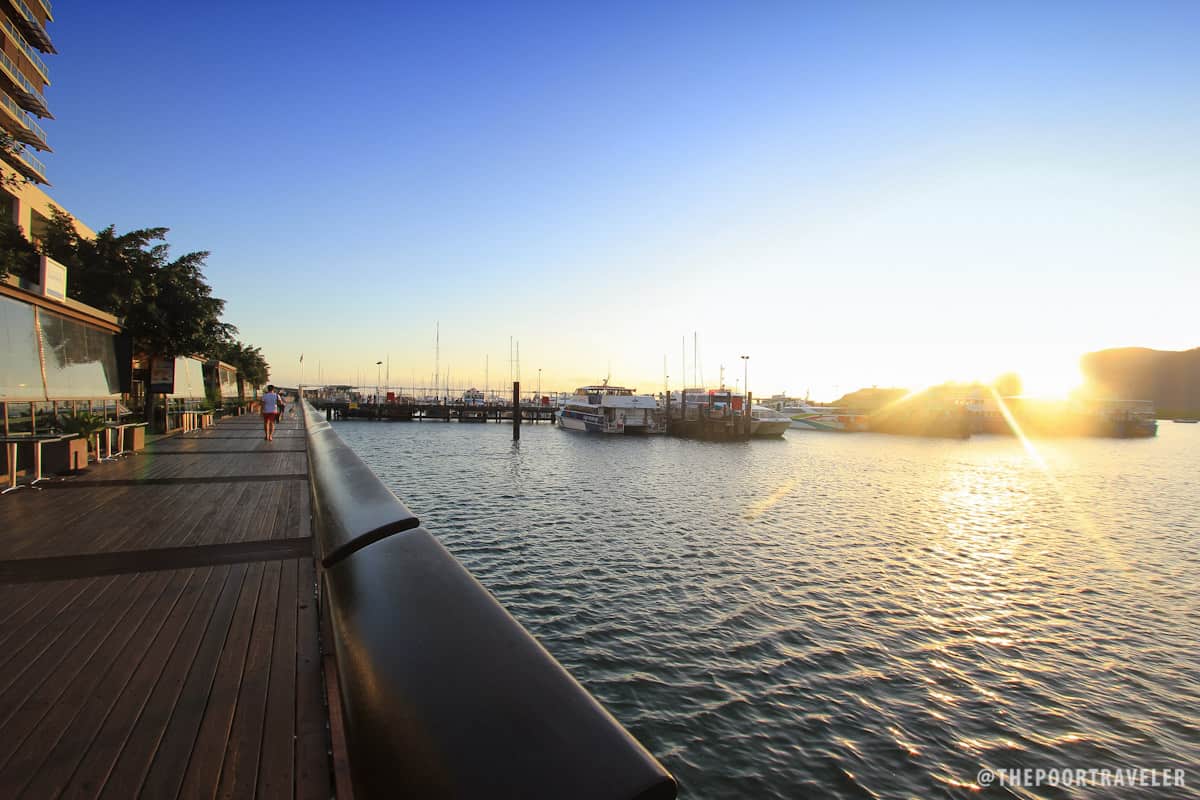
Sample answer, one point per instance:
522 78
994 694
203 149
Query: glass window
20 418
81 361
20 369
189 378
43 417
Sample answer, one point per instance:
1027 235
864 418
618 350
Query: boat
766 421
806 417
610 409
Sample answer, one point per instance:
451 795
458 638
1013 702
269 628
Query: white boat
610 409
822 418
766 421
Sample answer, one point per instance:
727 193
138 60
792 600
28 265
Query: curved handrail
443 693
351 506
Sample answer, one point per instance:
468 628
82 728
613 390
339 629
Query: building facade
23 81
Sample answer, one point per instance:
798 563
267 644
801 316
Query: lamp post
539 395
378 364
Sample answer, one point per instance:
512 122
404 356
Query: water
842 615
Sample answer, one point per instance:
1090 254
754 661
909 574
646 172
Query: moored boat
766 421
610 409
825 418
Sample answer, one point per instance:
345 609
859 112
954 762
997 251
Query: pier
439 412
158 625
222 614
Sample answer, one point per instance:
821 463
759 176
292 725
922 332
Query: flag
302 358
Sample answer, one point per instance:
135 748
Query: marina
901 609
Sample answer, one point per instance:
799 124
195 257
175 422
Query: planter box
59 458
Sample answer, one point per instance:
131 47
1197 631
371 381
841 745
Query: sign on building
53 279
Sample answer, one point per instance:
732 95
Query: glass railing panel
11 67
26 48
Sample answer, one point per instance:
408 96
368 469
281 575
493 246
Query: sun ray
1015 427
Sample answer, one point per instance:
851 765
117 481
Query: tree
166 306
10 146
252 368
18 255
1008 384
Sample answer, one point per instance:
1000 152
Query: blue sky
853 194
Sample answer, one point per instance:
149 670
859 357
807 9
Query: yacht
610 409
820 418
766 421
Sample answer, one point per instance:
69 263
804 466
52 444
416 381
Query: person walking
272 407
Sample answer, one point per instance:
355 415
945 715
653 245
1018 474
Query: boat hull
570 422
768 428
824 425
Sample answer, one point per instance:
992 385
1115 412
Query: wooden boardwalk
158 630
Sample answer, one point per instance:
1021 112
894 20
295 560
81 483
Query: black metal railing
443 693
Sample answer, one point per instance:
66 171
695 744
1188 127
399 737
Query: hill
1168 377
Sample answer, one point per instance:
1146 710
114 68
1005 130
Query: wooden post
516 411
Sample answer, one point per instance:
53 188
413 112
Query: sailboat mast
695 345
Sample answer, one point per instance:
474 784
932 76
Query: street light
378 364
746 378
539 397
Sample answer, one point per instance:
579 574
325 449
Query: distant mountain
1170 378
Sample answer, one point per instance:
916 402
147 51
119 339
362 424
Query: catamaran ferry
823 418
610 409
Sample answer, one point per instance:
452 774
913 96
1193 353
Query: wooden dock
442 412
158 630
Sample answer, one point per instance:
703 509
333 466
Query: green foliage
253 369
18 255
10 145
165 304
1008 384
84 424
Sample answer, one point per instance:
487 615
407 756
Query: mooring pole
749 406
516 411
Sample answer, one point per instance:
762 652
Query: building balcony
20 87
26 163
15 33
18 122
45 4
32 26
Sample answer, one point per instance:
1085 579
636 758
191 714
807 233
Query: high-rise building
23 81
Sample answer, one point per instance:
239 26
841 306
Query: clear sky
851 193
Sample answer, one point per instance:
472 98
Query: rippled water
842 615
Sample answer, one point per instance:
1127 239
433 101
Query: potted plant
85 425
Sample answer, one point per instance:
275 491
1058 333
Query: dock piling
516 411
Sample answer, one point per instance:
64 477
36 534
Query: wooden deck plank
200 718
120 695
239 771
22 752
313 776
165 516
207 751
26 699
21 604
152 642
277 769
170 715
40 634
